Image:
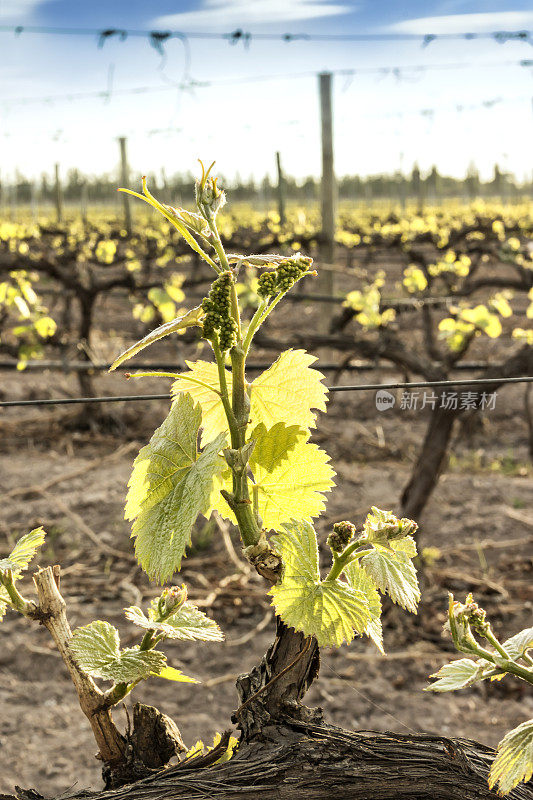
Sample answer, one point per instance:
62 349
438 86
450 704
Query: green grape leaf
95 645
172 674
193 221
216 502
169 486
134 665
332 611
514 758
256 260
96 648
456 675
393 572
187 320
23 552
274 445
293 490
288 391
188 622
359 579
405 544
214 420
520 643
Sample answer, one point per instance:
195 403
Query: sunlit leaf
213 416
286 392
290 391
274 445
359 579
332 611
393 572
169 486
514 758
23 552
172 674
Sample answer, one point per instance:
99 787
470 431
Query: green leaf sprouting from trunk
332 611
17 561
96 648
170 486
188 623
393 572
23 552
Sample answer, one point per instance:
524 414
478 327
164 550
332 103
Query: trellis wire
363 387
238 34
88 366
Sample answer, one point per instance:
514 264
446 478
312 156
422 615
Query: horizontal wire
239 34
399 71
361 388
87 366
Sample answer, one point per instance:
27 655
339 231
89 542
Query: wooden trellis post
325 284
83 202
125 181
281 191
328 175
58 194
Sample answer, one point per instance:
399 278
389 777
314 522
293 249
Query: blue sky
378 121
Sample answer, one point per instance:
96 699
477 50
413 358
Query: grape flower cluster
217 306
342 533
283 278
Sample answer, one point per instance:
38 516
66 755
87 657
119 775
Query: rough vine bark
430 462
288 753
273 690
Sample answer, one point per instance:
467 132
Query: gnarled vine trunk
288 753
430 463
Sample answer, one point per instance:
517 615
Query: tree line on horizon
77 186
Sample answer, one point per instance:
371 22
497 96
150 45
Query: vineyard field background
67 467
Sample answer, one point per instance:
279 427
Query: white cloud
17 10
466 23
229 14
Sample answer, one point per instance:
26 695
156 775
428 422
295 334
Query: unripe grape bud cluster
171 600
472 614
342 533
217 306
384 526
283 278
